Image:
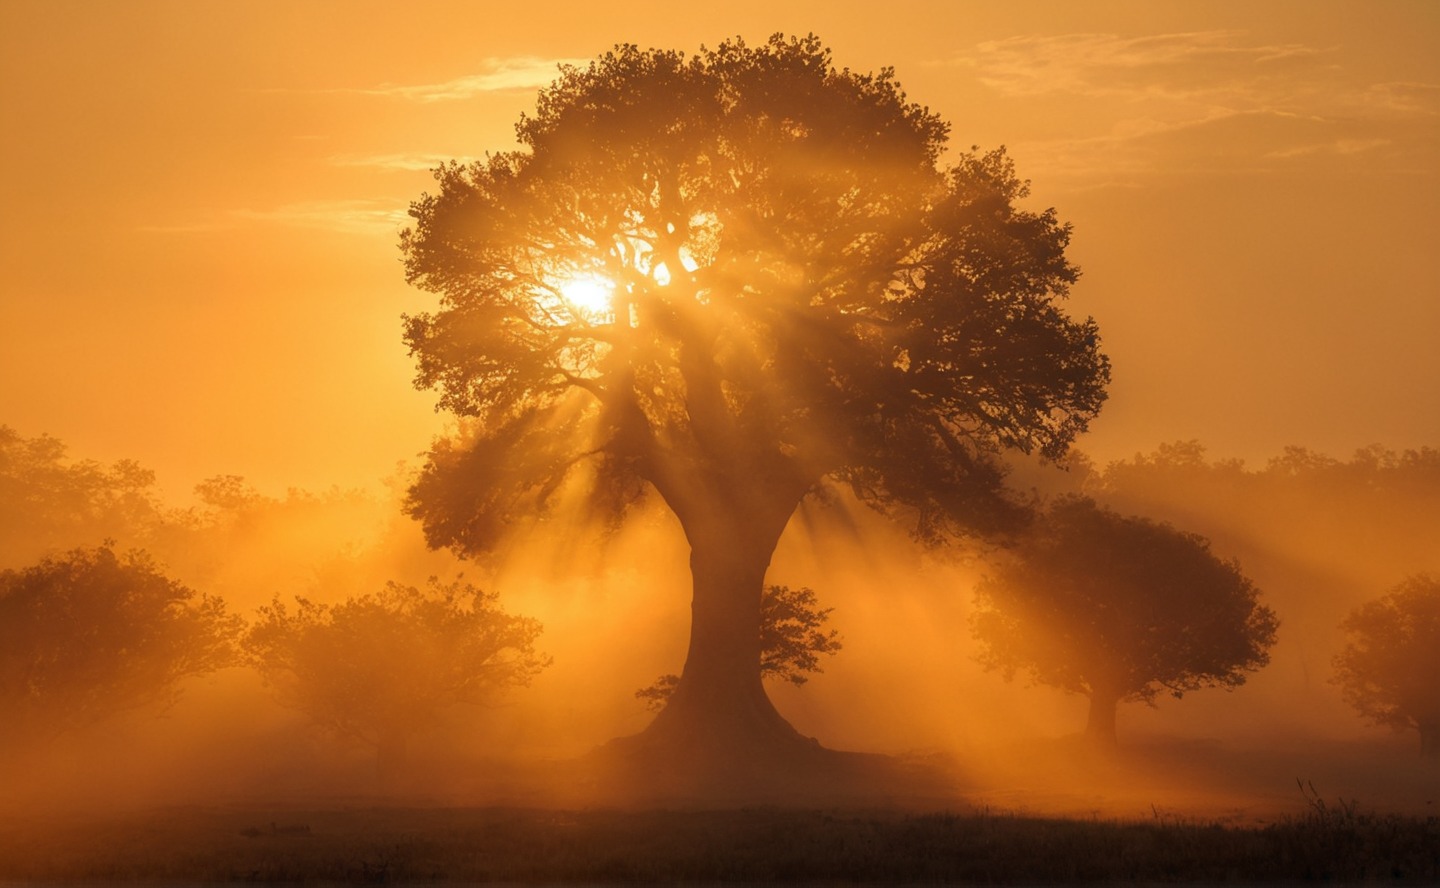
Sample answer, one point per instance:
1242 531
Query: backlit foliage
1120 608
799 291
90 634
378 668
50 503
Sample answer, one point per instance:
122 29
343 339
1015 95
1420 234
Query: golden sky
198 261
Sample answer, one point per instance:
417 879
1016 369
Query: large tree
730 278
1119 608
1389 669
90 634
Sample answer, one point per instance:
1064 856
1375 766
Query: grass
413 845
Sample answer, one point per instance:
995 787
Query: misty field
398 844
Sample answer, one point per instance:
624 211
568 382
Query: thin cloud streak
347 216
1204 101
498 75
364 217
1222 142
1108 64
398 162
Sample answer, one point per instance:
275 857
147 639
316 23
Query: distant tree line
1089 600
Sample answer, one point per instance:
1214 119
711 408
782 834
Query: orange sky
201 204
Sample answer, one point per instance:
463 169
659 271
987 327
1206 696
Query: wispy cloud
349 216
397 162
1340 147
496 75
1108 64
1203 102
1404 97
364 217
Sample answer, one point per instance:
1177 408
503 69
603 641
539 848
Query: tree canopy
379 668
90 634
795 291
1389 670
1120 608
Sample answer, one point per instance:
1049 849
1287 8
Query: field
369 844
1165 811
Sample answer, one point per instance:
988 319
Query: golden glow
590 296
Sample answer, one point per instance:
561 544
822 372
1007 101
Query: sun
590 296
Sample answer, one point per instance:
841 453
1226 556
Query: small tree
791 642
1390 669
89 634
1119 608
380 668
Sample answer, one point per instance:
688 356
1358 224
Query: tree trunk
719 739
1100 725
719 710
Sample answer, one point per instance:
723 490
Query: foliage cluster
89 634
380 667
1119 608
51 502
1389 671
798 292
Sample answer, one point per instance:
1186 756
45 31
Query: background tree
1118 609
1390 669
792 639
50 503
89 634
730 278
380 668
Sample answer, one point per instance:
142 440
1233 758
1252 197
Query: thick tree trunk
720 711
719 739
1100 724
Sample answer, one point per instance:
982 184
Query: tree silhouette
791 291
1390 669
380 668
50 504
89 634
792 639
1118 609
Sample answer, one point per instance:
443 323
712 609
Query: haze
200 273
